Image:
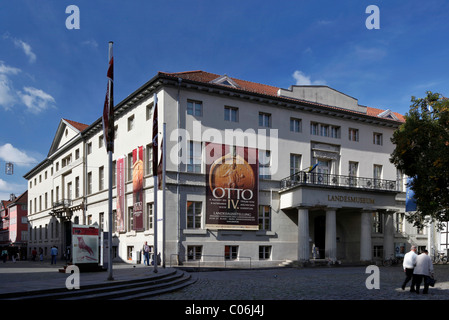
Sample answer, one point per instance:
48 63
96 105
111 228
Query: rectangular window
130 123
377 222
377 173
264 119
295 125
353 134
264 252
231 252
194 209
101 178
264 217
377 138
89 149
231 114
353 170
295 163
150 216
399 222
89 184
148 112
325 130
378 252
149 159
64 162
194 161
77 187
264 164
335 132
100 141
130 219
194 252
195 108
69 191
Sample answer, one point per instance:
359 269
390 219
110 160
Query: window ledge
199 232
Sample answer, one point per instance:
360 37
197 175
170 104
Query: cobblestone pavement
323 283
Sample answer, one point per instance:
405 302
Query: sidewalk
23 276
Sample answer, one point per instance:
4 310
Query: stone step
126 289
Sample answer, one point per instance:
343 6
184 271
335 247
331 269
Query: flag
410 201
108 109
159 166
311 168
155 138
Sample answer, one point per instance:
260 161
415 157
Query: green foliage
422 152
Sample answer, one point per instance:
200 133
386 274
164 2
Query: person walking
409 264
423 270
146 253
54 253
33 254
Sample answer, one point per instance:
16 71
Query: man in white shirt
423 270
409 264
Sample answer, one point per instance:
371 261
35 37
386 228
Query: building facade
14 226
254 174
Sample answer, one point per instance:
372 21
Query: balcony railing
61 204
333 180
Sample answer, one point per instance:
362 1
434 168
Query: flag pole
111 106
155 183
163 192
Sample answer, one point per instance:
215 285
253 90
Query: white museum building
254 174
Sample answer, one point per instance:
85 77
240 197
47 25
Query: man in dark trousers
409 264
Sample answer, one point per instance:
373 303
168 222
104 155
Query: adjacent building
254 174
14 225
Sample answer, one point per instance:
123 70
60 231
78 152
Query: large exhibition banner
120 220
138 189
85 244
232 184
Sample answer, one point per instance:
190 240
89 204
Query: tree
422 153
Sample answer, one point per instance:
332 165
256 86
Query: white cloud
304 80
26 48
90 43
9 153
7 95
22 45
4 69
6 188
36 100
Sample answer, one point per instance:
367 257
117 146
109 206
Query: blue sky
49 72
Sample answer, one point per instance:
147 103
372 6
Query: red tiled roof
77 125
202 76
207 77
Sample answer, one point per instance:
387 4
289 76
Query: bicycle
388 262
440 256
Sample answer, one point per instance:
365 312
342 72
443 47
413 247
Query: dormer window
388 114
225 81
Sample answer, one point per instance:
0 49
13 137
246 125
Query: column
331 234
365 236
388 234
303 234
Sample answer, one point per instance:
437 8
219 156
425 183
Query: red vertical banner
120 222
138 188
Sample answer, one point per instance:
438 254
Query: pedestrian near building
146 253
423 270
54 253
4 255
409 265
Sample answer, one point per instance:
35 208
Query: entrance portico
338 220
